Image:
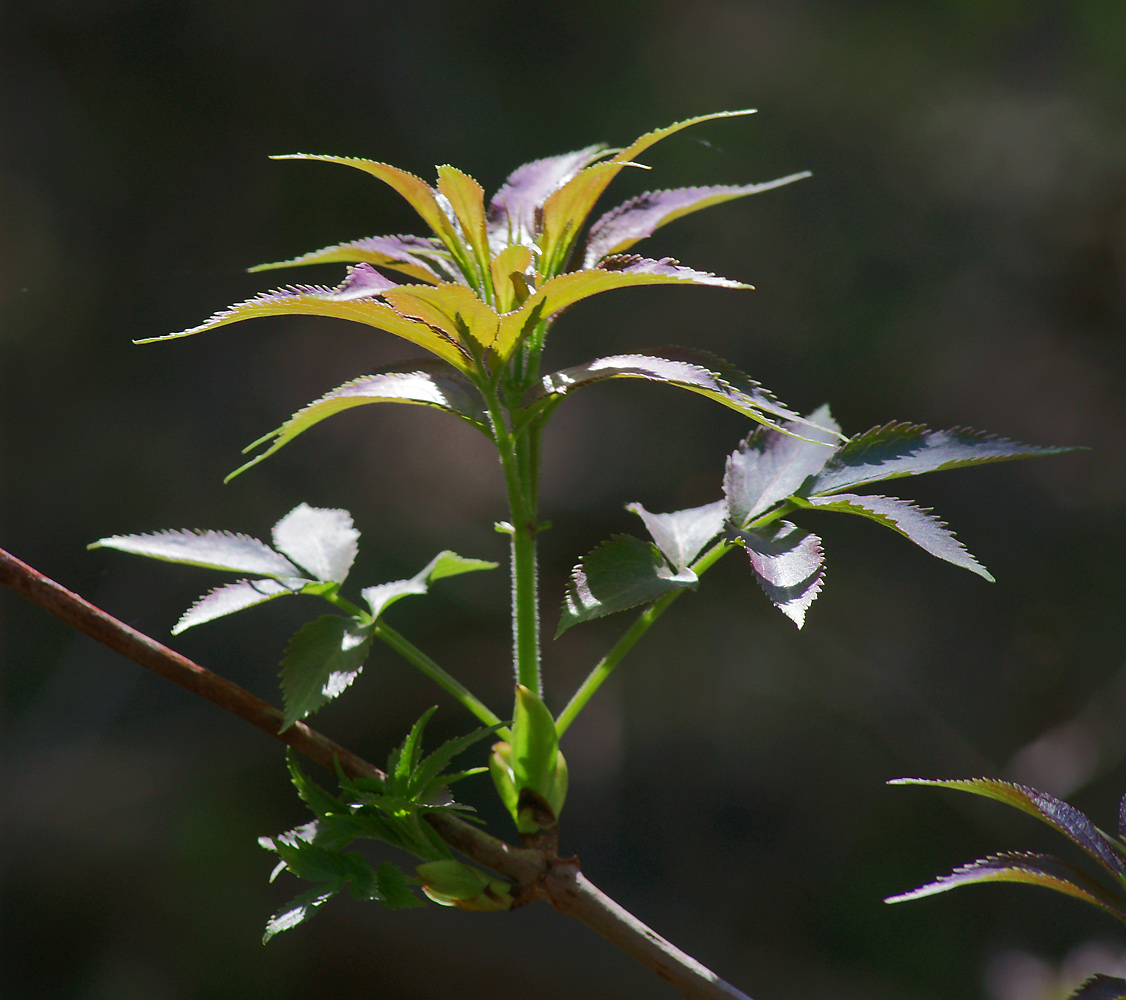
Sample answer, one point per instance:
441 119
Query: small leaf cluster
775 473
1107 851
388 808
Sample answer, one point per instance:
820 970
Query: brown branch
537 874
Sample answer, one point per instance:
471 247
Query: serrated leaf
511 282
232 597
424 383
1100 987
621 573
405 759
298 910
634 220
896 450
322 540
914 523
789 566
456 310
565 211
1031 869
444 564
565 290
210 549
428 776
682 534
335 303
406 254
467 200
323 658
394 889
696 371
1059 815
769 466
513 209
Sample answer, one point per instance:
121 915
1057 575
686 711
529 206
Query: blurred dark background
959 257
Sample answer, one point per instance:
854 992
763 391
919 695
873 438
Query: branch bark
537 873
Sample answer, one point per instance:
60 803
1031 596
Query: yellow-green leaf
454 309
467 198
510 283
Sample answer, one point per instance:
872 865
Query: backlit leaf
394 889
1101 987
1031 869
467 199
209 549
298 910
234 597
769 466
621 573
789 566
511 283
693 370
400 253
321 540
425 383
634 220
454 309
442 565
1059 815
912 522
323 658
911 449
682 534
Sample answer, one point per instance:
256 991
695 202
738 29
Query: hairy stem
641 625
534 872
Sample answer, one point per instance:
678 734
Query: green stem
605 666
412 654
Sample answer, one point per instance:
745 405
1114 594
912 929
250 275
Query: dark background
959 257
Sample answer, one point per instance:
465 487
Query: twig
536 873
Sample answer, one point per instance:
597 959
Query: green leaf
696 371
425 383
467 200
682 534
1101 987
323 658
896 450
634 220
320 802
400 253
769 465
405 759
789 566
323 541
209 549
1059 815
428 776
232 597
444 564
1031 869
535 743
394 889
914 523
621 573
298 910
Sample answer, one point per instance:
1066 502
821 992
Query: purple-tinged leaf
442 565
323 658
896 450
1122 818
322 540
232 597
912 522
682 534
414 384
621 573
634 220
1059 815
789 566
514 208
1100 987
1031 869
400 253
424 383
625 271
316 300
693 370
770 466
210 549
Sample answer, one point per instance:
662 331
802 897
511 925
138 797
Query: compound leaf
770 465
903 449
298 910
682 534
619 574
634 220
442 565
323 658
210 549
789 566
912 522
394 889
400 253
322 540
1031 869
232 597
